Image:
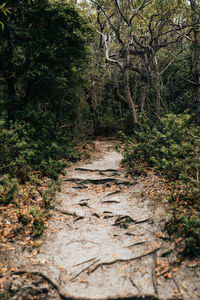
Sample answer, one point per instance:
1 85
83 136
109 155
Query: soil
105 240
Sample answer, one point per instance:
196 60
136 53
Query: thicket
172 148
43 53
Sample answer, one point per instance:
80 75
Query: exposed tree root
122 260
95 170
68 297
66 212
143 221
47 278
113 193
98 181
83 270
136 244
133 283
153 274
110 201
76 265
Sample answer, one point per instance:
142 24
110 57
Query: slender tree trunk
94 114
196 32
157 87
128 96
143 95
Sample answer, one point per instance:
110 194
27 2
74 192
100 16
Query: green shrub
172 148
8 188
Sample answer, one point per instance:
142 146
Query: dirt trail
103 239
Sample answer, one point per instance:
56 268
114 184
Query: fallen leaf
84 281
168 275
175 269
34 261
194 262
43 261
14 269
184 286
61 269
143 270
122 268
35 252
2 280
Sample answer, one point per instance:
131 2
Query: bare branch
107 42
109 20
170 63
119 10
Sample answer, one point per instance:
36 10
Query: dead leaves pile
18 218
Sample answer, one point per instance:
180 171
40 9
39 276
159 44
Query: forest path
104 239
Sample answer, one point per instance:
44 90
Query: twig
123 260
83 270
153 273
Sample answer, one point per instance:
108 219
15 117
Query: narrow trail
102 241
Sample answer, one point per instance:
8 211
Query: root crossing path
103 241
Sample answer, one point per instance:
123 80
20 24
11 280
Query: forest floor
105 239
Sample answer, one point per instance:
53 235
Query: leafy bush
8 188
172 148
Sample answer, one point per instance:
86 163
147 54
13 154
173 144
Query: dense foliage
172 148
43 53
77 69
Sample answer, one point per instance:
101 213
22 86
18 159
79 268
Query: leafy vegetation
43 52
73 70
172 148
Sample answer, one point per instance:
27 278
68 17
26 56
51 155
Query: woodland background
71 71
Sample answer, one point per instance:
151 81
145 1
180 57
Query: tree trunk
128 96
196 32
143 95
94 114
157 88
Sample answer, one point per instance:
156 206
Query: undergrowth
33 153
172 148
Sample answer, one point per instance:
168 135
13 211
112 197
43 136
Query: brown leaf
168 275
2 280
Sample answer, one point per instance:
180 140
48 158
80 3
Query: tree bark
94 114
196 32
157 88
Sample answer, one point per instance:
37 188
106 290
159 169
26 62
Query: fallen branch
123 260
